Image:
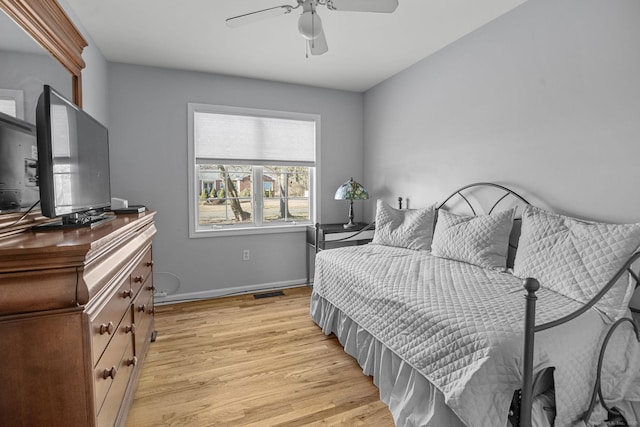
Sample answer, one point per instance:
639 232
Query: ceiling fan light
309 25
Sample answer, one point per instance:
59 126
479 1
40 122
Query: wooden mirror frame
49 25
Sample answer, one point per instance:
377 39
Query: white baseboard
218 293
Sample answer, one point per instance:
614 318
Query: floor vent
269 295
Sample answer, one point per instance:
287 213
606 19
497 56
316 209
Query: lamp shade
309 25
351 190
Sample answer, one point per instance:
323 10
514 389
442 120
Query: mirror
38 45
26 67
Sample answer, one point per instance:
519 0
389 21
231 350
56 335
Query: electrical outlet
246 255
160 294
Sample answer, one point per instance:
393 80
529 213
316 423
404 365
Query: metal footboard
531 285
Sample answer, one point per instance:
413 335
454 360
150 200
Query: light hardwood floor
239 361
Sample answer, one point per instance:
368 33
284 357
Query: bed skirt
411 398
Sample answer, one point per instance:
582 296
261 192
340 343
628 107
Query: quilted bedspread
462 326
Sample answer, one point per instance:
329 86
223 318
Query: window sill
246 231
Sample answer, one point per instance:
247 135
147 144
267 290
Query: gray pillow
482 240
577 258
409 228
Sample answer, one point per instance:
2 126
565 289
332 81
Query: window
250 170
12 103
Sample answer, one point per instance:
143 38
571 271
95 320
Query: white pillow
482 240
577 258
409 228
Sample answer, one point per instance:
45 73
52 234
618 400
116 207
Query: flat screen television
18 159
73 161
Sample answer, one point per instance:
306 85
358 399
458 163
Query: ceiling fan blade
382 6
318 46
258 15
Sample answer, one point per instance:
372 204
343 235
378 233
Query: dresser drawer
113 365
113 400
106 321
143 315
142 271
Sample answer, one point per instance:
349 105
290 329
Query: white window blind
253 140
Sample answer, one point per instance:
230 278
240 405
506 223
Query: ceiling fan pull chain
313 25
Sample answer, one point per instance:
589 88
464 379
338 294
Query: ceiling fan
309 23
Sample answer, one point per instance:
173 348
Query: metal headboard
460 192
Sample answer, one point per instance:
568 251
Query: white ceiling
364 48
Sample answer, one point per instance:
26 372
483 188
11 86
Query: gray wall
148 152
545 99
94 84
94 75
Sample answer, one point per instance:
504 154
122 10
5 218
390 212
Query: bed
436 313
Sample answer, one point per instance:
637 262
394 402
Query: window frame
196 231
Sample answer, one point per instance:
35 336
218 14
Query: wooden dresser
76 318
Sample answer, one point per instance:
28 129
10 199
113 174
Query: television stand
75 221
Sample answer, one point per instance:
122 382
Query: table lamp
351 190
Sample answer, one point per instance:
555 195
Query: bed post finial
400 203
531 285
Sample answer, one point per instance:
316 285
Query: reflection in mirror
12 102
18 165
26 68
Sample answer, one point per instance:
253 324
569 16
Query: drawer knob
139 279
107 329
128 293
149 263
130 328
110 373
142 308
133 361
151 288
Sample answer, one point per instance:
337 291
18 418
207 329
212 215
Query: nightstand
327 236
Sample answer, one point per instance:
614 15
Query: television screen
73 157
18 156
